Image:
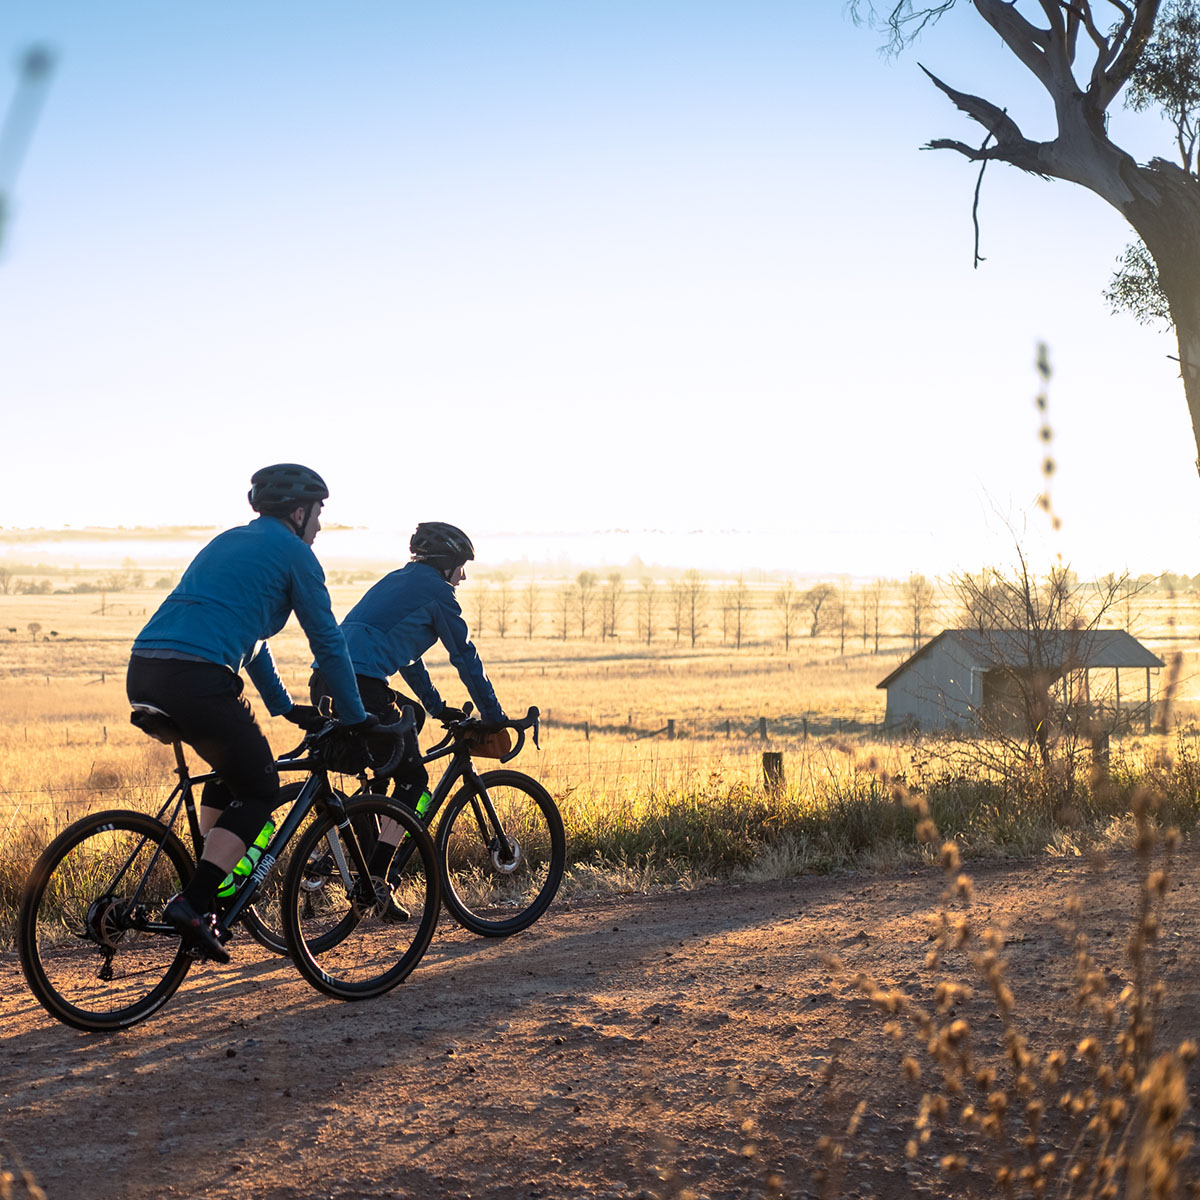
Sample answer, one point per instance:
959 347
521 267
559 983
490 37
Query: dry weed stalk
1097 1116
16 1183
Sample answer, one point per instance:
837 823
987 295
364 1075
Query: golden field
606 702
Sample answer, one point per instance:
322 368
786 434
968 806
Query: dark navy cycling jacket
239 591
400 618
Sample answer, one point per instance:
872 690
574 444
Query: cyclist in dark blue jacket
395 623
237 592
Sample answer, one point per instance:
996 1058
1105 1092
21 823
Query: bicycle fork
504 850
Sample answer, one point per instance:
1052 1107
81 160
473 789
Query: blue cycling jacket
239 591
400 618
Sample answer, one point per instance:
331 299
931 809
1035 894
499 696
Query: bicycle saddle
153 721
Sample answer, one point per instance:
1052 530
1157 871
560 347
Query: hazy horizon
721 552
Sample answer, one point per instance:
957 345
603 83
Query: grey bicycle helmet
283 487
441 545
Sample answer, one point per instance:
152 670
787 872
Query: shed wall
939 690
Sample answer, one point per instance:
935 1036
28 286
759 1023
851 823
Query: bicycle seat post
180 762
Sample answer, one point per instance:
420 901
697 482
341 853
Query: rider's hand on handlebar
363 726
450 714
304 715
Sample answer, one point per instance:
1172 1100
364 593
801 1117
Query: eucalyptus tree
1086 55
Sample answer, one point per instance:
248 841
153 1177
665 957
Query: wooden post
762 728
806 729
728 728
772 761
1149 711
671 728
587 732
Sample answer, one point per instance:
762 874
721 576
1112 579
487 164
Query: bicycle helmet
442 546
279 489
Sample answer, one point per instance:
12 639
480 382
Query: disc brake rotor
507 866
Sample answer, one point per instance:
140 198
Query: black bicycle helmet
283 487
441 545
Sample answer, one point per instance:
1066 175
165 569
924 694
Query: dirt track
639 1046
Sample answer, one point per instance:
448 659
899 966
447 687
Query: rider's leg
205 701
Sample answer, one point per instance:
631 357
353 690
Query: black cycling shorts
205 701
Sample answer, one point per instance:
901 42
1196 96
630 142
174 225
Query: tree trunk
1166 216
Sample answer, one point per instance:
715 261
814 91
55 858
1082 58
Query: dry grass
1097 1115
637 805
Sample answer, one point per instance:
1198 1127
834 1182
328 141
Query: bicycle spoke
351 935
500 880
86 948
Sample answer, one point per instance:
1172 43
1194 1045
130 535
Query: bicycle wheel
345 937
86 949
488 889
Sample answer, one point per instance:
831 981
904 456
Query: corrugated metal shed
942 684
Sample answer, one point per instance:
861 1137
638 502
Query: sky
677 271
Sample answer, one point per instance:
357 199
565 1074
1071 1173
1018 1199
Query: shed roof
1061 650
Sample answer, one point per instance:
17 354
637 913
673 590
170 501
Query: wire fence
575 757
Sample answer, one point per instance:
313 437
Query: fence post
772 761
762 728
587 732
671 728
728 728
806 729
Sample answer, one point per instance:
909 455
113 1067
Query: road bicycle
500 843
98 956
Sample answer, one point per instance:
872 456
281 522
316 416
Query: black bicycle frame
461 769
315 793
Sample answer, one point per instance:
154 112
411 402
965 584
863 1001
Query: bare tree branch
1135 42
993 118
1011 145
1022 37
975 206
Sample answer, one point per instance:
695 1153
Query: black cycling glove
304 715
450 713
363 726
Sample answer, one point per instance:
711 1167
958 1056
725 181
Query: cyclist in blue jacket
237 592
393 625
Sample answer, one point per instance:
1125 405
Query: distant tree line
691 609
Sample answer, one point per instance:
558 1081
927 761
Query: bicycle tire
340 942
482 892
86 964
